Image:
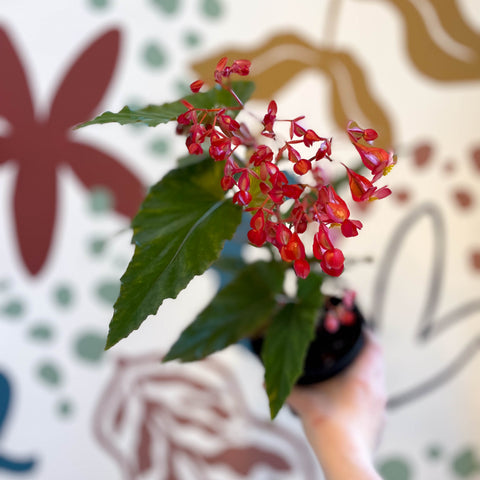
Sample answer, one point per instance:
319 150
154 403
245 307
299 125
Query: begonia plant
277 179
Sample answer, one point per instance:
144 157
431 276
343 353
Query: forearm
343 417
342 455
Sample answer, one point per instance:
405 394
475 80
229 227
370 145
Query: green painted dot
121 262
134 104
212 8
96 246
90 347
63 296
137 127
13 309
167 6
395 469
41 332
49 374
182 88
466 463
159 146
101 200
434 452
64 408
154 55
99 3
108 291
191 39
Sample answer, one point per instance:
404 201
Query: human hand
343 417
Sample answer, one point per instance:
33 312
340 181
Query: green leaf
179 232
308 289
153 115
287 340
239 310
229 264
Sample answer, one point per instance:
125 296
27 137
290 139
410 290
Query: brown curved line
365 104
408 396
389 258
442 323
430 325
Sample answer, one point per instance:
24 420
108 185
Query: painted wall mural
209 404
7 462
410 69
41 144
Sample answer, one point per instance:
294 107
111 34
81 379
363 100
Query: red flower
331 206
363 189
273 192
331 258
262 153
196 86
301 267
240 67
377 160
269 119
257 235
39 145
302 167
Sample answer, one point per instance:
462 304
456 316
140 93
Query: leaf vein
214 207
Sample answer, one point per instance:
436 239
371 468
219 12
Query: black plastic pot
329 353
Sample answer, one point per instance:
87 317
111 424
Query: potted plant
277 180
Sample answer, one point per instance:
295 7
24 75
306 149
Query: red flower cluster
282 209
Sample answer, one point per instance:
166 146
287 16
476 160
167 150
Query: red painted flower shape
40 144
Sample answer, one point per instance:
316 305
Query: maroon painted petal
35 213
85 83
97 169
4 150
15 100
144 446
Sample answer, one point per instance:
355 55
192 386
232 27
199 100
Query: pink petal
383 192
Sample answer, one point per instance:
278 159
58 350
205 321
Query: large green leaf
179 232
239 310
153 115
287 340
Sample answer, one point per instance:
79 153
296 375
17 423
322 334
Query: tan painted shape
284 56
439 41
